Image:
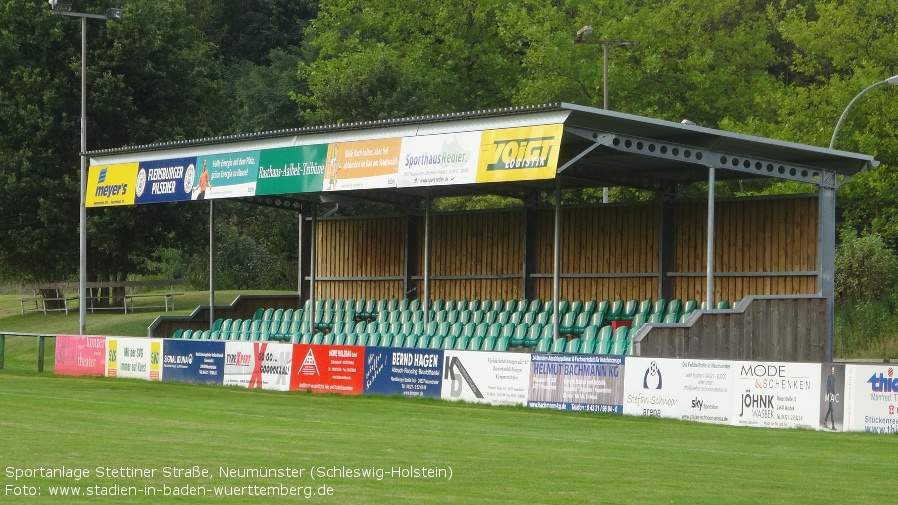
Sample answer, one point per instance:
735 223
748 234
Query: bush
866 270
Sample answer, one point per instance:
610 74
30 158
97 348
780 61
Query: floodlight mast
64 8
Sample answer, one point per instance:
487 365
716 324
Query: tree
380 59
150 77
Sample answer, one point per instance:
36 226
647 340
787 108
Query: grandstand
591 327
776 255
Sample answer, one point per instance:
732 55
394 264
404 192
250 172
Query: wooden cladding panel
775 235
476 244
752 236
633 288
359 289
608 239
361 248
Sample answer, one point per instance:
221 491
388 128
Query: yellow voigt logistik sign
519 154
109 185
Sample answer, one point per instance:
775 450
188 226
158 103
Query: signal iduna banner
193 361
328 369
80 355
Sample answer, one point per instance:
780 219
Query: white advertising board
776 395
692 390
498 378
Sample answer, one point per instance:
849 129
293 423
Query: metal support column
709 287
425 303
211 263
313 252
826 257
556 262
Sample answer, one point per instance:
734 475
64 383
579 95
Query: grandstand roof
598 148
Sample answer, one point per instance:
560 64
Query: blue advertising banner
578 382
193 361
406 372
165 180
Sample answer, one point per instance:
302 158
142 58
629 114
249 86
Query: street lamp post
583 38
890 80
63 8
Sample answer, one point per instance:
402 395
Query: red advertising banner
80 355
328 369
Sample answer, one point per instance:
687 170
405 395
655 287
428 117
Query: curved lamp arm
890 80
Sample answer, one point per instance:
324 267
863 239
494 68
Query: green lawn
495 455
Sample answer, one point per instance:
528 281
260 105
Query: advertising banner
776 395
406 372
486 377
80 355
134 358
519 154
586 383
110 185
193 361
832 397
362 164
871 393
165 180
692 390
258 365
328 369
226 175
437 160
291 170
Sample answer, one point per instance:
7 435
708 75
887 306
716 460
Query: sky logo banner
362 164
406 372
291 170
692 390
80 355
165 180
577 382
111 185
519 154
486 377
193 361
231 175
437 160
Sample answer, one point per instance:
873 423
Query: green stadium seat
559 345
475 343
461 343
614 310
423 341
544 344
588 345
581 323
501 344
399 340
339 338
489 343
573 346
448 342
533 334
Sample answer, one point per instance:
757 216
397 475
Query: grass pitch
495 455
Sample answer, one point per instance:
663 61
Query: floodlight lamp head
60 5
586 31
114 14
893 80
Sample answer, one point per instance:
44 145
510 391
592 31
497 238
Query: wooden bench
50 297
47 298
168 301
